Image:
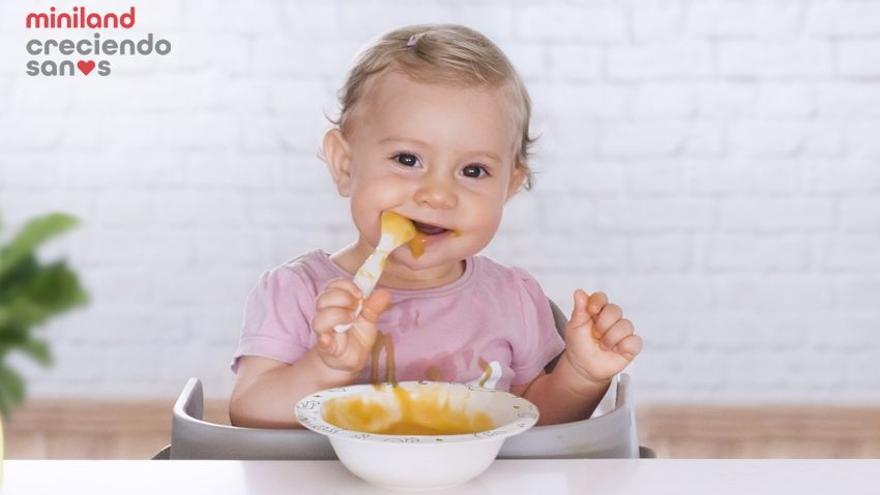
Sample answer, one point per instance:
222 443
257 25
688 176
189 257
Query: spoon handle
367 276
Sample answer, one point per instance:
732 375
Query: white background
711 165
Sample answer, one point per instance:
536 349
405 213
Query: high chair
609 433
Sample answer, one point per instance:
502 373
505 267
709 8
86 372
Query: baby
433 126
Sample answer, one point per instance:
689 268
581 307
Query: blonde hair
446 54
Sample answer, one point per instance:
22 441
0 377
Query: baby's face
436 154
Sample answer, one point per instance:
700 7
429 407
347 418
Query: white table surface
505 477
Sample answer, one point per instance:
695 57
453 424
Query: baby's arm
267 390
599 343
562 396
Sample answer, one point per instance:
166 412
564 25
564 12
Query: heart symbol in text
86 66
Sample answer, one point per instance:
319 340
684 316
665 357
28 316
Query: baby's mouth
428 229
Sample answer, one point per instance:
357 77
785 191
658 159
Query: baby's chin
405 257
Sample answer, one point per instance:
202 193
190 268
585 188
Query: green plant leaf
30 293
38 349
32 235
12 336
5 406
12 389
22 271
50 290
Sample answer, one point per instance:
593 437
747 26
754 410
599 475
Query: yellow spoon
397 230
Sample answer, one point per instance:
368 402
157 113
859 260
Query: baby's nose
436 195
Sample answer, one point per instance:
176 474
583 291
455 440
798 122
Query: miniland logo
69 57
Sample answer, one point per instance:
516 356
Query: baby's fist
347 351
600 342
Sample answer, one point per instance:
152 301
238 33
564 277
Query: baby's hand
347 351
599 341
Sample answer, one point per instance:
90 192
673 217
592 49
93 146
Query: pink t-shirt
492 326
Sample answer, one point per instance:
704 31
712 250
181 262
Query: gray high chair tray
610 433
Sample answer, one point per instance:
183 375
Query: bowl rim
309 413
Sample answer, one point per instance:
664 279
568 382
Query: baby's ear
337 154
517 181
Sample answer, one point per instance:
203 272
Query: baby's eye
474 171
406 159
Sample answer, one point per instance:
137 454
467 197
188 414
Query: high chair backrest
608 434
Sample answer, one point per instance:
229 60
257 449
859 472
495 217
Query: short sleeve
539 341
277 317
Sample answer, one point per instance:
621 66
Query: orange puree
417 245
428 413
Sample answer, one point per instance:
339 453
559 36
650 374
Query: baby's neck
395 275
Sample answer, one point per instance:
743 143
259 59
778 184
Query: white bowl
421 461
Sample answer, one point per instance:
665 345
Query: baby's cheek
486 221
382 190
361 218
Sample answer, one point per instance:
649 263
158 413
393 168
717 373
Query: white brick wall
712 165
